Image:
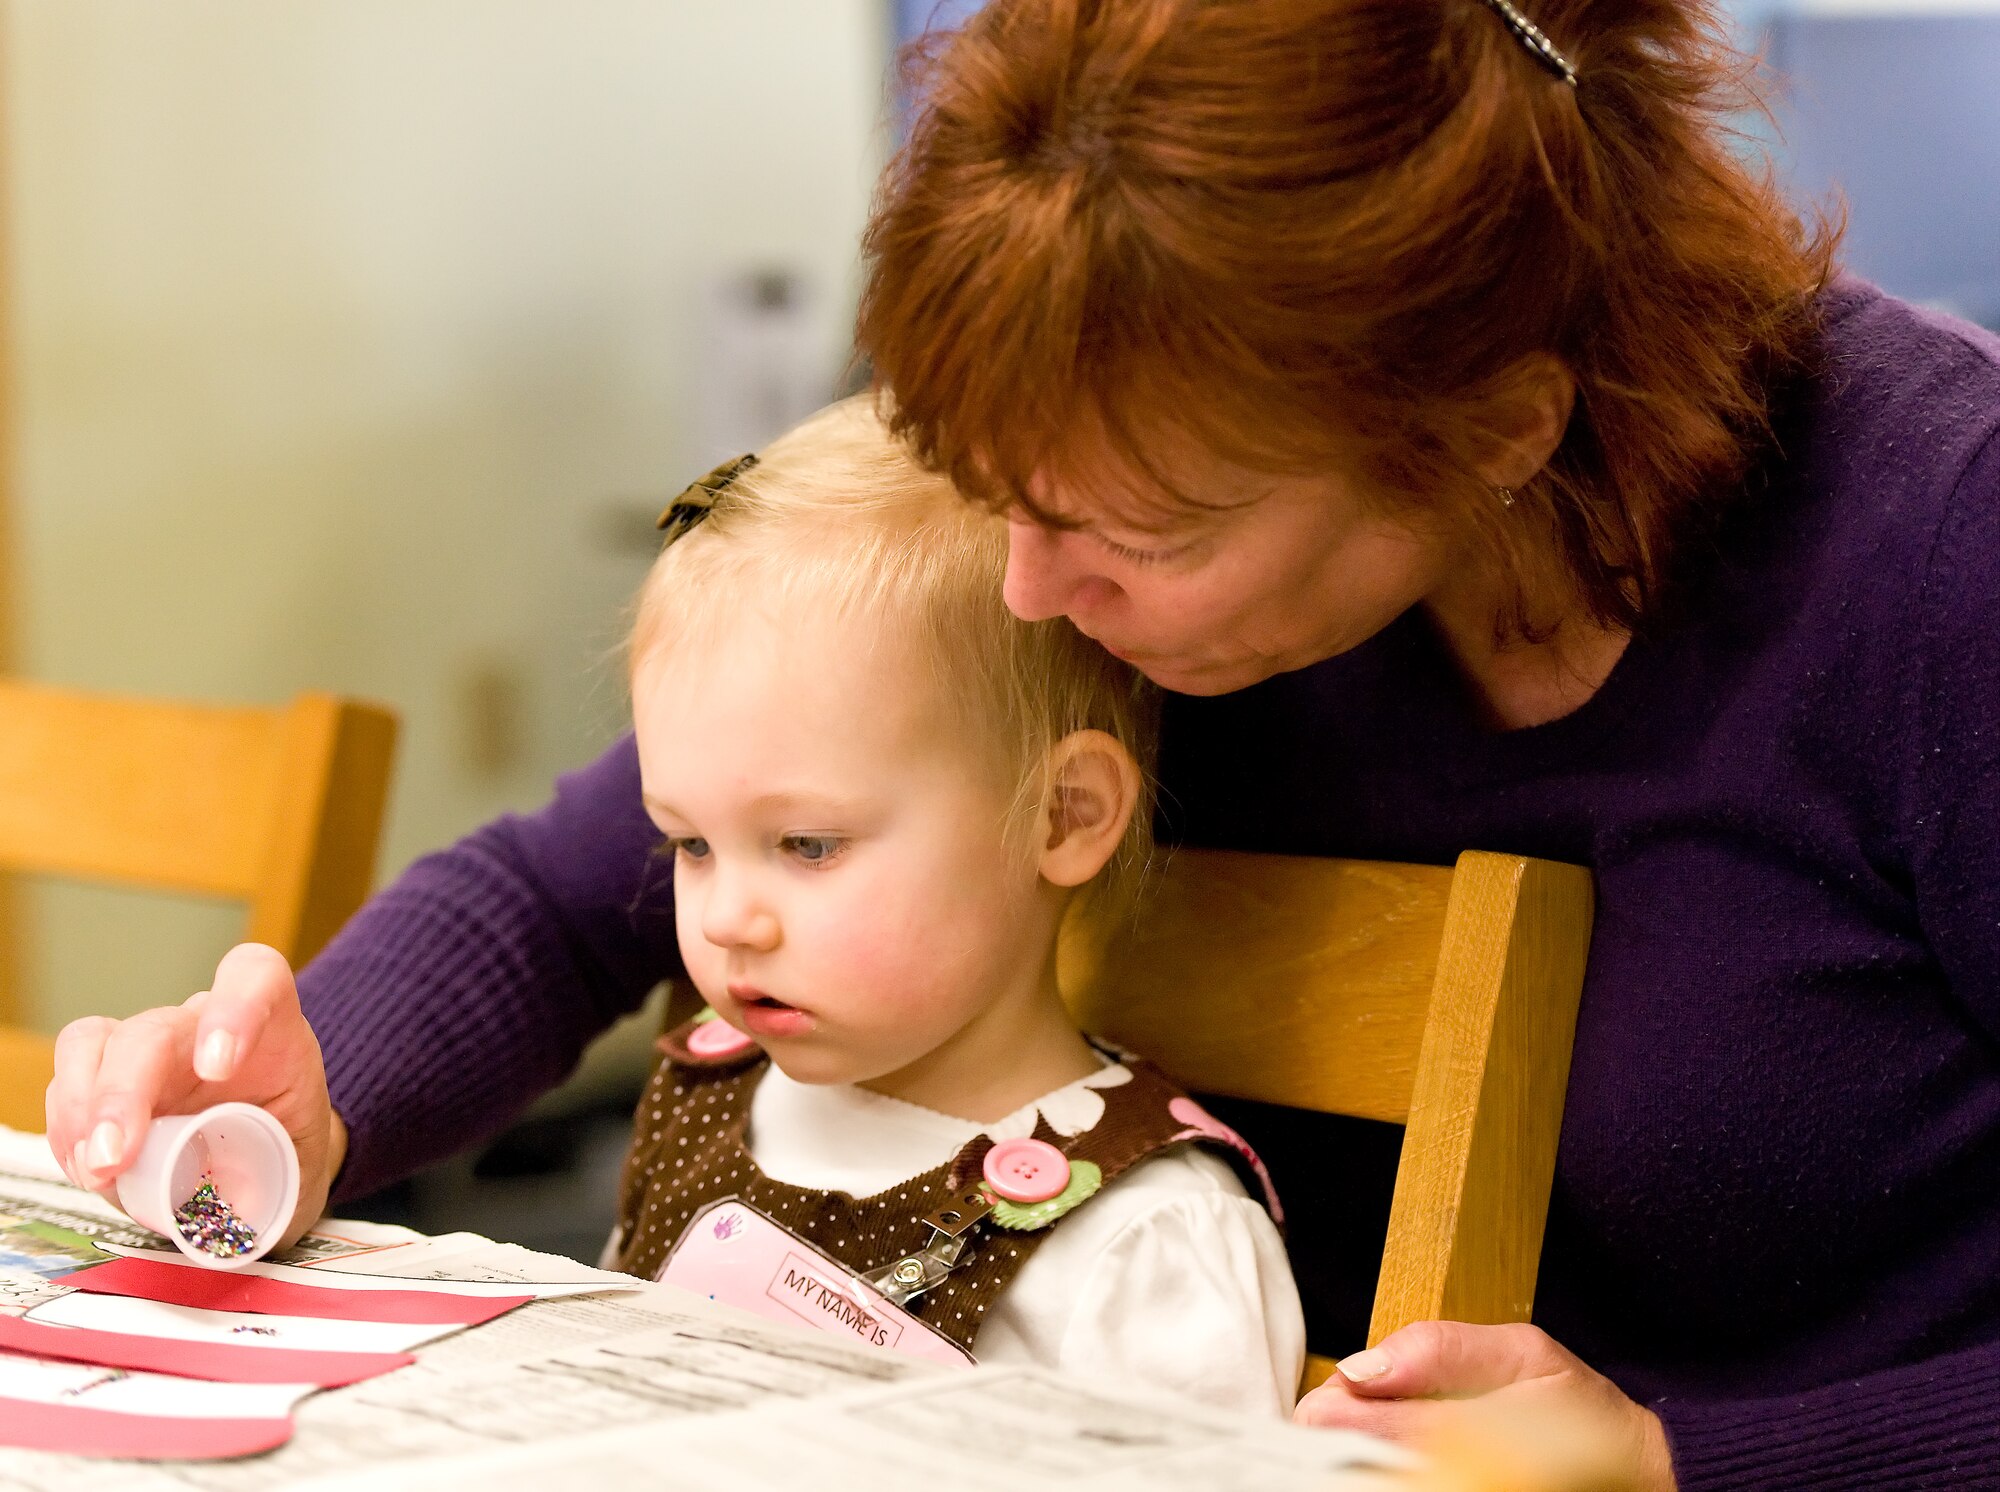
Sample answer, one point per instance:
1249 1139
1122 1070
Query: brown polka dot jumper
689 1151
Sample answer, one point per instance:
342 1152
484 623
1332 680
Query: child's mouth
766 1015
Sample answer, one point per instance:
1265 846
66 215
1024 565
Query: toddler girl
881 794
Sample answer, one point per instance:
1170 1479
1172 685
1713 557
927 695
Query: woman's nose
733 916
1045 576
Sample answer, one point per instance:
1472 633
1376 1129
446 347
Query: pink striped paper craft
78 1430
215 1290
220 1362
152 1318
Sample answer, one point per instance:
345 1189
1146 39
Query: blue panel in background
912 19
915 17
1902 114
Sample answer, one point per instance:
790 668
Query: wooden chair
279 808
1440 998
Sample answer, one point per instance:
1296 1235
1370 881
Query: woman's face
1281 572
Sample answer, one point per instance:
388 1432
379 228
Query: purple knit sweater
1776 1216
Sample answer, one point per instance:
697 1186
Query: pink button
1026 1170
717 1038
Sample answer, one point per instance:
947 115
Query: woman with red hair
1426 393
1431 387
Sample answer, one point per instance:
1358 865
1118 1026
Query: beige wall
345 328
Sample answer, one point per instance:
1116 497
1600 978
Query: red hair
1303 231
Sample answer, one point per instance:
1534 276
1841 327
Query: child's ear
1093 786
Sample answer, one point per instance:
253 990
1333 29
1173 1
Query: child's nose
735 917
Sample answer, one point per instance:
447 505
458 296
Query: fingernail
1365 1367
217 1055
107 1145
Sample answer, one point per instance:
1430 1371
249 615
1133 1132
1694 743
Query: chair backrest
1440 998
278 808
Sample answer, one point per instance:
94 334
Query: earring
1506 496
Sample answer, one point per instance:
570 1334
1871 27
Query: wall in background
356 342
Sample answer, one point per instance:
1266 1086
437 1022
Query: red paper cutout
78 1429
217 1290
221 1362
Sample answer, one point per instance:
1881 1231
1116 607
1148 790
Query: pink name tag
733 1253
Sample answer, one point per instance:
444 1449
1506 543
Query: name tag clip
951 1228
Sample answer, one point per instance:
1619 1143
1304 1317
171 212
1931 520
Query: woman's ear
1093 787
1529 420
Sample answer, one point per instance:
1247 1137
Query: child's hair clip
698 501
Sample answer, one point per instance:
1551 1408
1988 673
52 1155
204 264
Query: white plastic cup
240 1148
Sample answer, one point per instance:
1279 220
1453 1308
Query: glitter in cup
222 1184
207 1221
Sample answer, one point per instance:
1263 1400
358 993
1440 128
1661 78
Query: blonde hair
838 514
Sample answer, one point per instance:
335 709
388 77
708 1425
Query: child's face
844 887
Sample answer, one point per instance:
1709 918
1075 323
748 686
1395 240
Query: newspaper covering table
647 1385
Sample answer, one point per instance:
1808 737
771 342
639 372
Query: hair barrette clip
1532 37
697 501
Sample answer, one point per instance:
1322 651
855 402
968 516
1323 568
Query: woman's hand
1413 1384
244 1039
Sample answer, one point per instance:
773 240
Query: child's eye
686 846
812 849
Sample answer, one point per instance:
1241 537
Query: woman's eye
1141 556
813 849
687 846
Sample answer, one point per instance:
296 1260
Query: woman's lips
1111 647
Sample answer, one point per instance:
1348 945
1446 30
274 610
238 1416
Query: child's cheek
870 941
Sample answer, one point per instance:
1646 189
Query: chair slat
1440 998
179 797
27 1060
1465 1228
1276 978
278 808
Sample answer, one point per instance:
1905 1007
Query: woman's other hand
244 1039
1416 1384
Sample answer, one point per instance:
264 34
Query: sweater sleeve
1955 777
472 983
1934 1423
